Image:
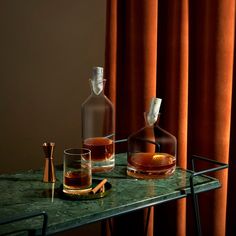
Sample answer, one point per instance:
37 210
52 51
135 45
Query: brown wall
47 51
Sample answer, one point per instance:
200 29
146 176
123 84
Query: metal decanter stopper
49 172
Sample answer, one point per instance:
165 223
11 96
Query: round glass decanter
98 125
151 151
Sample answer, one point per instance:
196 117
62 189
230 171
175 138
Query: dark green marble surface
25 193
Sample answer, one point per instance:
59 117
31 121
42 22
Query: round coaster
87 195
77 192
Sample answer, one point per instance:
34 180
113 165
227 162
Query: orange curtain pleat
172 87
231 196
183 52
130 69
130 62
210 83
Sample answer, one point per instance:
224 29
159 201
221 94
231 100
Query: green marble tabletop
24 193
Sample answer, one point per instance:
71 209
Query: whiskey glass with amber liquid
151 152
98 125
77 171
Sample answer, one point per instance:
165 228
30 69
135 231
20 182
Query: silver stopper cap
154 110
97 80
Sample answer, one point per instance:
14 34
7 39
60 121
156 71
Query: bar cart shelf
30 205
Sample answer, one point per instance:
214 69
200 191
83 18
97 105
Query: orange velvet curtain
183 52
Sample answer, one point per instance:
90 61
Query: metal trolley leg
193 192
24 217
147 221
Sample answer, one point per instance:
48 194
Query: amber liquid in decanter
101 148
151 165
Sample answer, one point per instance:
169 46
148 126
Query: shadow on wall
48 49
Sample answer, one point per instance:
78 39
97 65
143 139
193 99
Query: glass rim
77 151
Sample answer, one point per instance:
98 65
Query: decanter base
106 165
141 174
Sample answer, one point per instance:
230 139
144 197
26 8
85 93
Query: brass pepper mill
49 172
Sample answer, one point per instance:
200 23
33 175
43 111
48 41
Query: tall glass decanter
98 132
151 150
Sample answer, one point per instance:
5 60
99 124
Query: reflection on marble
24 193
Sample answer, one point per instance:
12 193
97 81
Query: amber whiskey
101 148
102 153
151 165
77 179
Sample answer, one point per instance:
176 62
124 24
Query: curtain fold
210 82
130 67
130 62
231 196
183 52
172 87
